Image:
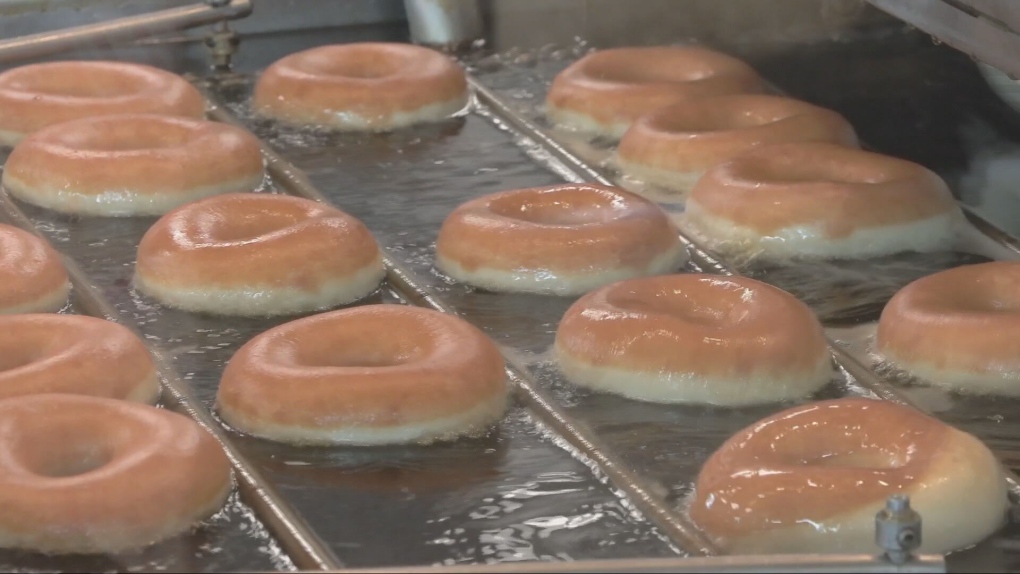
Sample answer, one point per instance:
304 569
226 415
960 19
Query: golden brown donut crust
132 164
812 462
718 327
371 81
39 95
50 353
32 274
238 240
92 475
961 319
840 189
621 84
567 228
694 136
373 367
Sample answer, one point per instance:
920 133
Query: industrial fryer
569 481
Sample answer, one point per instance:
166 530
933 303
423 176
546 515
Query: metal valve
898 529
222 43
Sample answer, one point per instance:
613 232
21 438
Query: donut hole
360 350
727 303
618 67
561 207
237 226
353 62
74 446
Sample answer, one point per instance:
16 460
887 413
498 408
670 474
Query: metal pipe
120 29
754 564
444 23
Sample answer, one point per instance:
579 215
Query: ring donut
367 86
127 165
958 328
822 200
674 146
76 354
694 338
259 255
368 375
93 475
812 478
32 275
562 239
604 92
39 95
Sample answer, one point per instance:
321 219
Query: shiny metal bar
444 23
302 545
120 29
721 564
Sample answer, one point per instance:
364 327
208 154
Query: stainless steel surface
126 28
716 564
986 30
444 23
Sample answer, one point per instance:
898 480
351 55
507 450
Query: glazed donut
604 92
93 475
131 164
958 328
39 95
368 375
76 354
694 338
821 200
562 239
674 146
258 255
812 478
32 276
362 87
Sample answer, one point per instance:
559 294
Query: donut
39 95
604 92
562 239
257 255
957 329
812 478
139 164
675 145
821 200
368 375
366 86
76 354
32 275
94 475
694 338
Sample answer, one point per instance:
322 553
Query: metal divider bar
127 28
777 563
675 526
302 545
